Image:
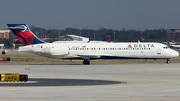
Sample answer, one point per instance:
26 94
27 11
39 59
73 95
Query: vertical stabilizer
107 38
24 34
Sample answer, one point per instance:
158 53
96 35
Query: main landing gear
86 62
168 61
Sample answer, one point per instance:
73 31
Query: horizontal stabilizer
14 28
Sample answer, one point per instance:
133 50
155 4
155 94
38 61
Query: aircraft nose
175 54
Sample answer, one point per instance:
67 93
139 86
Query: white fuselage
133 50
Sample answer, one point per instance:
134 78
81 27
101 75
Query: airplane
176 46
90 51
173 45
106 39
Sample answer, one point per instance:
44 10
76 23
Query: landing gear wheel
168 61
86 62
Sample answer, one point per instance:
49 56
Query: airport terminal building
173 34
4 34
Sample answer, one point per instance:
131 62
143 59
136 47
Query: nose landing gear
168 61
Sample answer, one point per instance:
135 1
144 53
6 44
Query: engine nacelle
55 50
4 51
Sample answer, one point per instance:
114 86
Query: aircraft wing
89 56
176 46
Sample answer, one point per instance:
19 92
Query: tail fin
24 34
107 38
142 38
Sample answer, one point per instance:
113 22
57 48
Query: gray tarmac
126 82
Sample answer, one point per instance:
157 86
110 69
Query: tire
167 62
86 62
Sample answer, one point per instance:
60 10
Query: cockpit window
166 47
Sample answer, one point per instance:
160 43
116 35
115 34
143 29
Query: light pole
79 35
114 36
59 35
94 36
13 41
148 36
